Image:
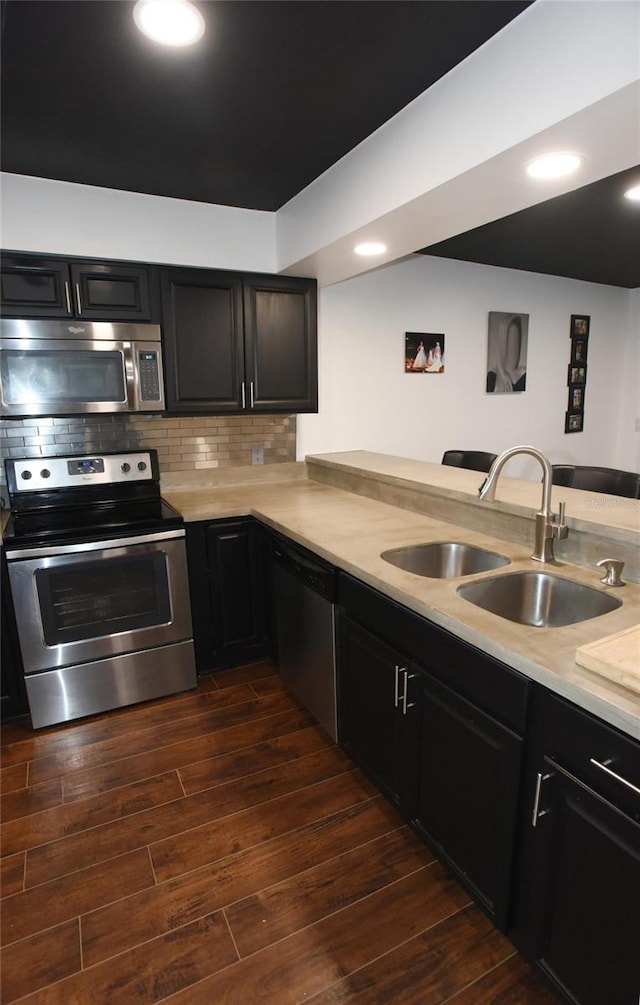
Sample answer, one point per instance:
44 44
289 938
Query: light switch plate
257 455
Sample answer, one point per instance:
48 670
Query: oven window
41 376
91 599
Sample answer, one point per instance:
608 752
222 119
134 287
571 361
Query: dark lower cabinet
469 782
226 580
578 882
451 768
378 717
13 695
585 910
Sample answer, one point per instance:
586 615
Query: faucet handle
613 568
561 509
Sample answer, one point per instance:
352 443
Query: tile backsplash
183 444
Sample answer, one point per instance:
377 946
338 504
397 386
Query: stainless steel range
98 573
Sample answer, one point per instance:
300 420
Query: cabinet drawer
491 685
590 749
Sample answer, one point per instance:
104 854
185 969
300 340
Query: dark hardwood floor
216 847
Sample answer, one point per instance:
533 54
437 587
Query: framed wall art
423 352
577 373
507 341
574 422
580 325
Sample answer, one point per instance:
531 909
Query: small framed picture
576 398
574 422
579 350
580 325
423 352
576 374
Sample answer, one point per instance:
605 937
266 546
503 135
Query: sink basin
444 559
540 599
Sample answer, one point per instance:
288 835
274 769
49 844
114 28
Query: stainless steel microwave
77 367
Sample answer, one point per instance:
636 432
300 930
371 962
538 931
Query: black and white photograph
576 398
577 375
579 350
507 352
574 422
423 352
580 325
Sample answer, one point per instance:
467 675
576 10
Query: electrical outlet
257 455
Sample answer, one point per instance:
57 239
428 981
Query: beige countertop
350 531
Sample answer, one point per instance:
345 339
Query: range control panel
36 473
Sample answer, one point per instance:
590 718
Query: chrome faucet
549 525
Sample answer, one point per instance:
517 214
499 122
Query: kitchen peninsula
349 507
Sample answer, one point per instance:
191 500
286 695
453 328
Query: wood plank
248 760
40 960
220 838
151 972
312 960
248 673
112 929
109 840
50 904
71 818
263 918
440 962
114 748
32 799
81 784
12 874
13 776
269 685
512 982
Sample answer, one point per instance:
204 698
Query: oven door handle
88 546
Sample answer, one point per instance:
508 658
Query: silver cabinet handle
78 298
68 296
618 778
250 394
244 400
396 693
407 677
535 816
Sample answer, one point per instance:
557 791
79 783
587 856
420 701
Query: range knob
125 467
45 473
26 475
142 466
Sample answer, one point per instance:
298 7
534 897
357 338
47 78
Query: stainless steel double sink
534 597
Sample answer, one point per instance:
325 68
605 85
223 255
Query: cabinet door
586 908
377 726
203 350
236 590
468 792
13 695
280 317
35 287
109 291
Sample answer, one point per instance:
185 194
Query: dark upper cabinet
468 792
203 340
239 343
55 287
280 330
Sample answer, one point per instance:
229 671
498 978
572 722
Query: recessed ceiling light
633 193
170 22
370 248
554 165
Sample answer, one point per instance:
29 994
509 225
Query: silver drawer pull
535 816
618 778
407 677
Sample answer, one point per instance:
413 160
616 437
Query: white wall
368 402
62 218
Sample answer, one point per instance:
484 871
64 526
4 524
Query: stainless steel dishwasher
305 588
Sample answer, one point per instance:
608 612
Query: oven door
51 377
86 602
